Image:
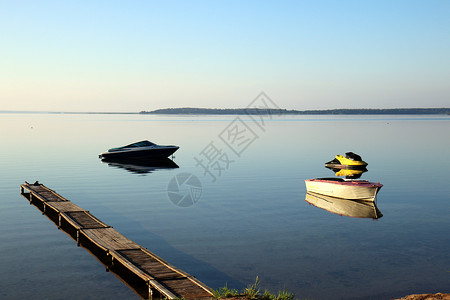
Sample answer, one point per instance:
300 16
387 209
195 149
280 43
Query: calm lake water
251 221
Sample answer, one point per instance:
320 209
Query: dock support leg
59 221
78 238
150 291
109 259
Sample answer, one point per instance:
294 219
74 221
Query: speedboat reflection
348 173
346 207
141 166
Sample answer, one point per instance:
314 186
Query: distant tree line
271 111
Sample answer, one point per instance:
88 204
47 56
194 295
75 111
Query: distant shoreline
258 111
271 111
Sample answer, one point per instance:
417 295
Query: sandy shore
438 296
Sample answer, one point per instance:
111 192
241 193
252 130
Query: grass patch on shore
252 292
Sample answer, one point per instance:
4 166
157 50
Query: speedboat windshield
134 145
353 156
140 144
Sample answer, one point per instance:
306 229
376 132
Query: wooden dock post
114 250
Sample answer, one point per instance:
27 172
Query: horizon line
284 110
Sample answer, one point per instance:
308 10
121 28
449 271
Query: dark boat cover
353 156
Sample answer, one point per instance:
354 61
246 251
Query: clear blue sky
143 55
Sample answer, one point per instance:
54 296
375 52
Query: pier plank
109 239
184 287
150 265
83 219
43 192
146 277
64 206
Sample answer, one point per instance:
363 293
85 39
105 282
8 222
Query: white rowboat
344 188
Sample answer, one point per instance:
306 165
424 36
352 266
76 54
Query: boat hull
352 189
140 154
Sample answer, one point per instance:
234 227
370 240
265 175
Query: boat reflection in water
345 207
348 173
141 166
349 161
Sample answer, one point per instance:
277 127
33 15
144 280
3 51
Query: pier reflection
344 207
141 166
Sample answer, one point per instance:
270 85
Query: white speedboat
344 207
142 149
344 188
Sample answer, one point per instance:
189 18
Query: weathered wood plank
33 188
83 219
185 288
34 195
197 282
168 265
116 255
149 264
163 290
109 239
64 206
43 192
151 281
192 278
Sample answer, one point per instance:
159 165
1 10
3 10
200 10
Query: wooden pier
147 274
